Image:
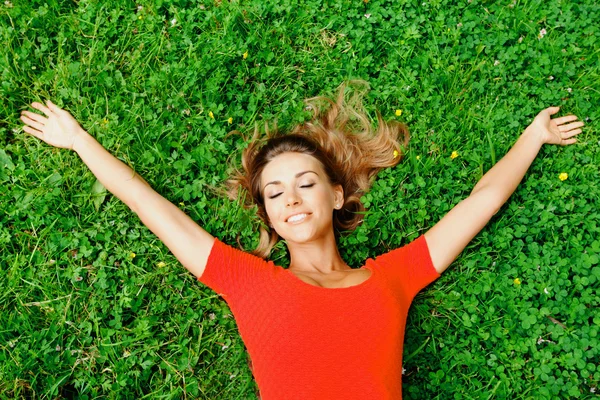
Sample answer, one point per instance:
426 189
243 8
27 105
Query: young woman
319 329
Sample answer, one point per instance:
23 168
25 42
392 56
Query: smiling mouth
297 218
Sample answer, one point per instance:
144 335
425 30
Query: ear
338 197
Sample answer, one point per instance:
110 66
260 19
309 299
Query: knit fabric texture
308 342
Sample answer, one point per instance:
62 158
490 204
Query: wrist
534 135
79 140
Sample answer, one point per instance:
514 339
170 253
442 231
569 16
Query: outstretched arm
187 241
453 232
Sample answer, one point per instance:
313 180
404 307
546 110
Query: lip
298 213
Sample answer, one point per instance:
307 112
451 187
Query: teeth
296 218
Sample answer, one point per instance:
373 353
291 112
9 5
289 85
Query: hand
558 130
59 129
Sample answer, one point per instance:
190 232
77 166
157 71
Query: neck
317 257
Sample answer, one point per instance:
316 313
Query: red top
308 342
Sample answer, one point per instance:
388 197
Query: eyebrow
298 175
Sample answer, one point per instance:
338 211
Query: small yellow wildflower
210 114
181 203
396 153
105 121
517 281
245 55
230 120
140 17
161 264
563 176
132 255
418 157
454 155
398 113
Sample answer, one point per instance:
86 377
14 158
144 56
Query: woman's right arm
187 240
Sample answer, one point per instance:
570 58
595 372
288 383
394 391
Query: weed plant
92 305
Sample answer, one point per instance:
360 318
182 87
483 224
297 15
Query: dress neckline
353 287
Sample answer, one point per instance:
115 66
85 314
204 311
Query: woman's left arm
452 233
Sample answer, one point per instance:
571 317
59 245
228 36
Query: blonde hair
342 138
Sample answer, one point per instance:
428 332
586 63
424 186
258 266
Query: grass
93 305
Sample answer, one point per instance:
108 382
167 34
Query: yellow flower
245 55
563 176
105 121
398 113
161 264
230 120
396 153
210 114
454 154
132 255
418 157
140 17
517 281
181 203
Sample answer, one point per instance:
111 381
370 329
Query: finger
35 117
33 132
564 120
32 123
572 133
53 107
568 142
552 110
574 125
42 108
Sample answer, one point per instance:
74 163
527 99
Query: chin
296 238
303 234
301 238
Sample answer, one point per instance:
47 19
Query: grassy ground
91 303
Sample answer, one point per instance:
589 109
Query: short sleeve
410 265
231 273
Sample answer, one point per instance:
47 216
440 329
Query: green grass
80 316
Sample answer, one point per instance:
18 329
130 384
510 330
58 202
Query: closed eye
302 186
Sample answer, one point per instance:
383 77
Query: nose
292 199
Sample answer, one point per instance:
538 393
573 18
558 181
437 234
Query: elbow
478 187
140 195
496 209
493 198
134 208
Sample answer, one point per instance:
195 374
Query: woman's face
298 197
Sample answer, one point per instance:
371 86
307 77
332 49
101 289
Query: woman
318 329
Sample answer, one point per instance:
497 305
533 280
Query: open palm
558 130
58 128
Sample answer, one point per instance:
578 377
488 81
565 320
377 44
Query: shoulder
233 272
414 250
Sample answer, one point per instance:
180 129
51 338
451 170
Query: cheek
269 210
327 198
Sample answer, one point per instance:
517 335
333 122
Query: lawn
93 305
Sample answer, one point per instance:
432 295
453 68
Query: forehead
286 165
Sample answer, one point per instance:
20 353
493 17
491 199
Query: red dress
308 342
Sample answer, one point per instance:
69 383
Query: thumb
552 110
